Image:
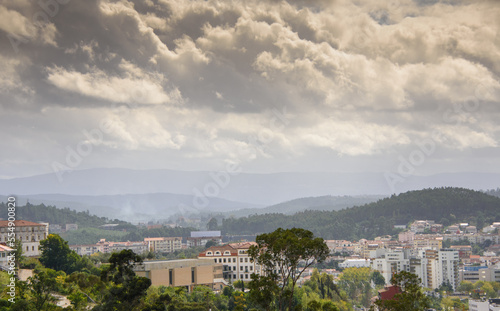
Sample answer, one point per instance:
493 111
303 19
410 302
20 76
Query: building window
234 259
241 268
170 276
192 275
241 276
246 276
246 259
224 260
241 259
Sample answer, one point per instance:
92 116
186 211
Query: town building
164 244
4 254
104 246
29 233
236 263
201 238
186 273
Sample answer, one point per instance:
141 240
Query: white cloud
134 87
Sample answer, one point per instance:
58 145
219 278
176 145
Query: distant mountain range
322 203
134 195
132 207
257 189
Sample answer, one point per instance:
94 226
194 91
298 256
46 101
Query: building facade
29 233
186 273
234 259
164 244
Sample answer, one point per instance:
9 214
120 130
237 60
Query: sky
407 86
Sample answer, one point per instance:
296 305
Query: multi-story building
164 244
201 238
448 267
4 253
433 267
234 259
29 233
464 251
187 273
86 249
104 246
426 243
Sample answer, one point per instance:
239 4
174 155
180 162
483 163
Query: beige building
28 232
187 273
164 244
433 243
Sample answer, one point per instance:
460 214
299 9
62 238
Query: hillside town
438 255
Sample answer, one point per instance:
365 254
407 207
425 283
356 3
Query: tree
210 243
41 286
411 297
279 254
212 224
356 282
377 278
57 255
128 288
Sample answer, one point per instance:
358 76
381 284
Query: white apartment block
433 267
355 263
29 233
448 267
104 246
234 259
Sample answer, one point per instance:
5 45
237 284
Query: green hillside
54 215
443 205
322 203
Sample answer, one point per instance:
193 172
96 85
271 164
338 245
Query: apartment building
28 232
187 273
448 267
433 267
104 246
425 243
201 238
164 244
234 259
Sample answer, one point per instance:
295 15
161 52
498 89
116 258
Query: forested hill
443 205
53 215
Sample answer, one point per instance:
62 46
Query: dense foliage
443 205
54 215
279 254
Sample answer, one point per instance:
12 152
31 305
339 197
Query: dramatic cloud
273 85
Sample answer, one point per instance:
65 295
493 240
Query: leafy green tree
41 286
356 283
212 224
210 243
127 289
377 278
57 255
411 297
279 253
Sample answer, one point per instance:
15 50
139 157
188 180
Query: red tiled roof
388 292
20 223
